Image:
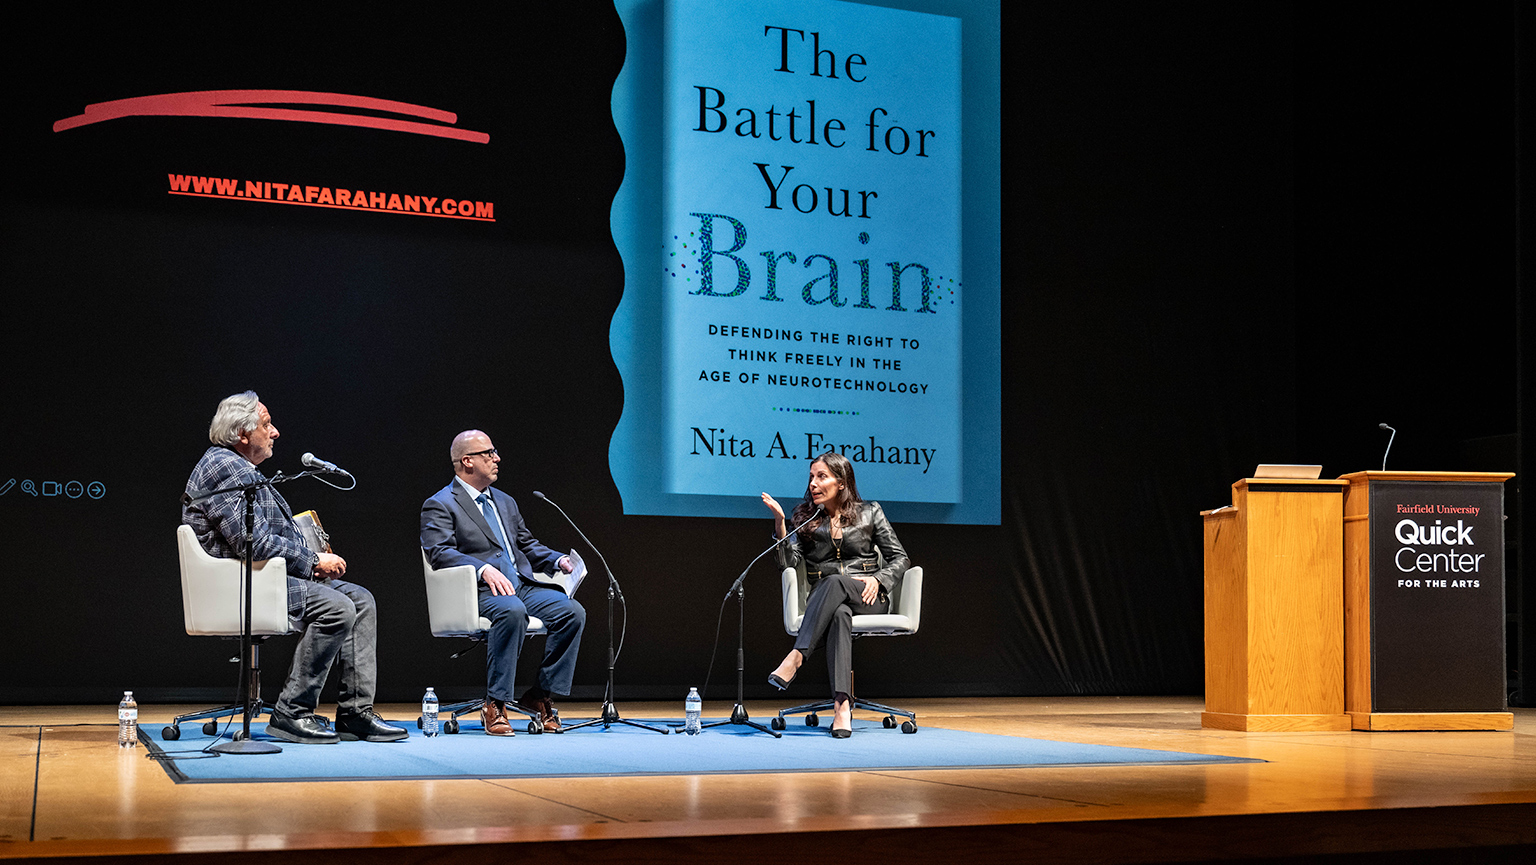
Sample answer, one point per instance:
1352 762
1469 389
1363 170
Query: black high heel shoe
782 685
836 732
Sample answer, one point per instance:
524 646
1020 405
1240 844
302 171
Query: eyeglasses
488 452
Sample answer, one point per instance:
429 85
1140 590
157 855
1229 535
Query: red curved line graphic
244 103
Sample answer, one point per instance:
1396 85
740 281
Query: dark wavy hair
847 509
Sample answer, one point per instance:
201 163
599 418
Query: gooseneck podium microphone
736 585
612 581
1389 445
609 715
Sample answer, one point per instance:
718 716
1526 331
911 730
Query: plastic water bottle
128 722
693 706
429 713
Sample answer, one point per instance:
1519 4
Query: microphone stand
242 743
739 715
610 712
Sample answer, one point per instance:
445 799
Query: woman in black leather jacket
838 549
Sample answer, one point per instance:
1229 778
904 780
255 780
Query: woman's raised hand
773 505
779 529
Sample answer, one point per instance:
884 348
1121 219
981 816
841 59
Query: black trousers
828 621
340 621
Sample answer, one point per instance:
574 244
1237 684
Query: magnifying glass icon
28 488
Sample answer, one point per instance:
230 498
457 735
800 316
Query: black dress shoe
840 733
783 685
368 727
303 730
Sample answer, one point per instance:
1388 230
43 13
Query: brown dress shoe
494 717
548 716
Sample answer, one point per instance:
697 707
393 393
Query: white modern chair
213 605
453 610
902 620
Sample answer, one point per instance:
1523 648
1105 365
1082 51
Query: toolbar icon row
71 489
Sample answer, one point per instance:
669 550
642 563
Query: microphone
736 585
1389 445
611 580
310 461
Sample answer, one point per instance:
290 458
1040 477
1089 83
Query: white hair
236 416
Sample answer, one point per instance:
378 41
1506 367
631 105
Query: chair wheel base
210 728
776 722
170 734
812 720
451 726
908 726
889 722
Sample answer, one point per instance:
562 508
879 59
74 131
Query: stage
71 794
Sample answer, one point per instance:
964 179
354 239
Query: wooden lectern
1274 618
1424 601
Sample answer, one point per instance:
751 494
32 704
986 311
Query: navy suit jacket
454 532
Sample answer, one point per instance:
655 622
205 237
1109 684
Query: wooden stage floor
69 794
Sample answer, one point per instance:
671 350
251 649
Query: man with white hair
339 618
470 522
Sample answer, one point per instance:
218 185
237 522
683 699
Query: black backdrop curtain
1233 233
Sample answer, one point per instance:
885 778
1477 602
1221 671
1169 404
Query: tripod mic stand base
610 716
739 718
246 746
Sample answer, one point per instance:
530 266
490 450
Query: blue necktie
490 517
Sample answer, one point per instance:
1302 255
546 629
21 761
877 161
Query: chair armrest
909 596
213 599
213 594
794 610
453 600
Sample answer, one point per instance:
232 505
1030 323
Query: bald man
469 522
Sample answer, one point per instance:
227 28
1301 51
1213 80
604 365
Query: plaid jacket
219 522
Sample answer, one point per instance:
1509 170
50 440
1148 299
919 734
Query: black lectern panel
1437 596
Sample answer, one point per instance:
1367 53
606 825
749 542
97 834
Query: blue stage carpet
621 750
